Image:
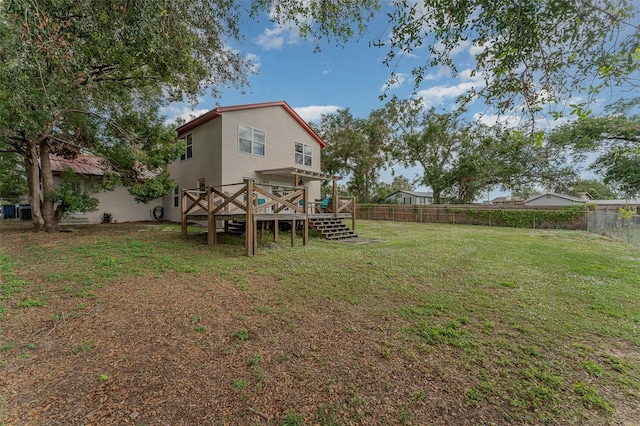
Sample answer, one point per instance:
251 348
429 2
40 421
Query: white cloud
394 81
254 63
461 47
511 121
314 112
437 95
183 111
326 71
275 38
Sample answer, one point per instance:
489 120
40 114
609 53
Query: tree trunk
48 188
32 170
436 197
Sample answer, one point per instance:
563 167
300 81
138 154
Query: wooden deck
257 205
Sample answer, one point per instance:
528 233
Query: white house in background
616 205
268 142
118 203
410 197
552 199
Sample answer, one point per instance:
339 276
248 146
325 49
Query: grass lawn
428 324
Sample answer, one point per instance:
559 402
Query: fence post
393 214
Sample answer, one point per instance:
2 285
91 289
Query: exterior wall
205 163
552 201
404 198
217 159
281 132
118 202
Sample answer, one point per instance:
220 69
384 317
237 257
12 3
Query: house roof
412 193
507 200
564 196
219 111
89 165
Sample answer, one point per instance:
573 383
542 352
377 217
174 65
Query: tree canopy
610 144
357 147
92 75
529 54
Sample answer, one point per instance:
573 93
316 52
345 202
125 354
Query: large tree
357 147
611 146
92 75
461 159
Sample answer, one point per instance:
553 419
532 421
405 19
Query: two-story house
268 142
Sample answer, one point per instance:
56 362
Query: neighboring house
552 199
616 205
410 197
118 203
267 142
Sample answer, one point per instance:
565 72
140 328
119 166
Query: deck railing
247 201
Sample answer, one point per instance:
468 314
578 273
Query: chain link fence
615 225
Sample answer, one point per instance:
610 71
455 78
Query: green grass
530 318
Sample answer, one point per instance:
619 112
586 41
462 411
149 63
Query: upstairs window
302 154
188 151
250 140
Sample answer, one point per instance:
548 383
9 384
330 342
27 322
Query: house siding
552 201
119 203
205 163
216 157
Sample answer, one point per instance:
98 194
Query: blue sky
350 76
314 83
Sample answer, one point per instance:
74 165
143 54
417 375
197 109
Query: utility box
24 212
8 211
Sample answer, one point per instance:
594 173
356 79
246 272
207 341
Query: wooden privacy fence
564 217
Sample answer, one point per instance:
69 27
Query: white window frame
253 140
306 153
188 149
176 197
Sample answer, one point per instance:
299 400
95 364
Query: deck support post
211 230
305 224
183 218
249 229
353 213
334 198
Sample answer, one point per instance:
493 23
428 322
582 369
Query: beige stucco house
268 142
118 203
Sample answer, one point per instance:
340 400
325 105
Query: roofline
214 113
414 193
565 196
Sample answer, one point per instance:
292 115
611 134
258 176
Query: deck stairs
332 228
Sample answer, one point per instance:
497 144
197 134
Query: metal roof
89 165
